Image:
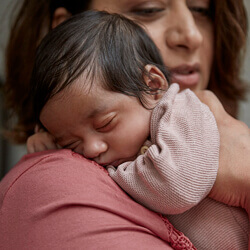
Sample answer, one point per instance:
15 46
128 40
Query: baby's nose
94 148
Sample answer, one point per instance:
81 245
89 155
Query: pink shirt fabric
59 200
178 170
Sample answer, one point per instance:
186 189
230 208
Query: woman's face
182 30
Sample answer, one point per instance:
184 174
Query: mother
58 199
201 42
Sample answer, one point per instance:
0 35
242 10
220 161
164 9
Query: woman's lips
186 76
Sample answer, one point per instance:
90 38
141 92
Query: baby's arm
180 168
40 141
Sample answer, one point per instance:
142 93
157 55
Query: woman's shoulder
57 177
59 199
51 171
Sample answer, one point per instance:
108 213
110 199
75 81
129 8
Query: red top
60 200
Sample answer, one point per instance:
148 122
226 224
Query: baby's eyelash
106 127
68 145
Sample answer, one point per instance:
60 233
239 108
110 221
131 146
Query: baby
100 88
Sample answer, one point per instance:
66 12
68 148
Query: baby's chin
123 160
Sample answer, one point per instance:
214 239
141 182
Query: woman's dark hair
106 47
34 19
230 31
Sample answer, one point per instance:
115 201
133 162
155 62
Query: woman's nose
94 147
182 31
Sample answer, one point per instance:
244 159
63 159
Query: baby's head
107 47
95 79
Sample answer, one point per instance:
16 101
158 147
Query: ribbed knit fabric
179 169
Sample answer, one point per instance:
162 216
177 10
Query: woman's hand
232 185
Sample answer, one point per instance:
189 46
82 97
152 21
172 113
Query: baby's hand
40 141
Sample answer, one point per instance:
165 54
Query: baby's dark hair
108 47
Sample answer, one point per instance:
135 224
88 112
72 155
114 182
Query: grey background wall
10 154
245 106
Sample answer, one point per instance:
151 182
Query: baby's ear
156 80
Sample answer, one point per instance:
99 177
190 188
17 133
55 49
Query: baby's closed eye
106 125
73 145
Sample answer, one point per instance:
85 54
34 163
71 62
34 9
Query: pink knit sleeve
179 169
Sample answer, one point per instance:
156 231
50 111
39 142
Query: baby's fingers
40 141
38 147
42 146
30 147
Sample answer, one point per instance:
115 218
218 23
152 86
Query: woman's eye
201 11
146 11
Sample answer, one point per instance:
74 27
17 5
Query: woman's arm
232 185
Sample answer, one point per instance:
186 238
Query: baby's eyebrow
97 111
92 114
